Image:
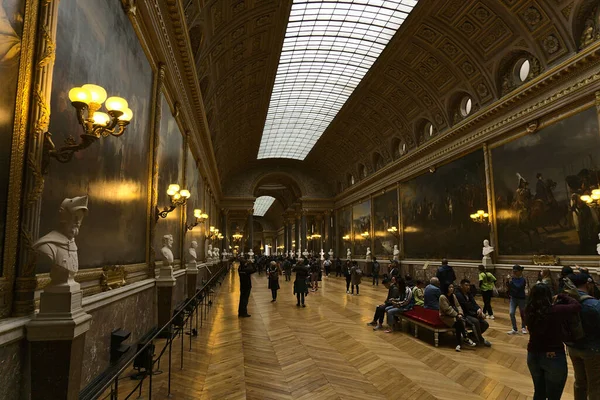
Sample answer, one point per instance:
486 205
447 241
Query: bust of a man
166 252
487 249
305 254
348 254
192 251
331 254
396 253
59 245
251 255
216 252
368 253
322 253
209 252
598 246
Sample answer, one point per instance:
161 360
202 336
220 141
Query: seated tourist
431 295
400 304
452 315
472 312
418 293
393 293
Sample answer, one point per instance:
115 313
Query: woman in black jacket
300 286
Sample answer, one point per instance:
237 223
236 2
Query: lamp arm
164 212
65 153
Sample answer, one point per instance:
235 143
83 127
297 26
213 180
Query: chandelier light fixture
481 217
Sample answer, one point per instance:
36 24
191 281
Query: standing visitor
452 315
545 277
244 272
314 275
327 265
273 276
585 352
516 290
287 267
376 268
300 286
445 274
394 269
546 356
338 267
355 277
348 275
486 285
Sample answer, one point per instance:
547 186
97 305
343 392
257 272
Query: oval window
466 106
429 130
523 69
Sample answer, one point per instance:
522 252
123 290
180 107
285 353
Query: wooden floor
326 351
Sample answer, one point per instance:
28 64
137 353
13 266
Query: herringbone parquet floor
326 351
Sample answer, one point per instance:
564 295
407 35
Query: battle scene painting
344 219
436 209
170 171
193 181
361 228
113 172
538 182
11 27
385 216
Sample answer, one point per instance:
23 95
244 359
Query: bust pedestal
486 261
57 336
191 273
165 284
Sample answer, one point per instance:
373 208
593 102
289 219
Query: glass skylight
262 205
328 48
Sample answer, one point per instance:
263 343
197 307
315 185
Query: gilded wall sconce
178 198
200 218
480 217
87 101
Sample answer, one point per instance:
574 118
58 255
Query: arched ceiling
445 49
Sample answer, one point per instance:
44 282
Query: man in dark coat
245 270
445 274
472 312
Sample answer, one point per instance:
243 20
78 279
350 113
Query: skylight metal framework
328 48
262 205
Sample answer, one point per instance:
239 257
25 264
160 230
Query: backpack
358 271
572 329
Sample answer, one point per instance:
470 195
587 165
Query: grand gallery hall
300 199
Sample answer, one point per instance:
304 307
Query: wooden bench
427 319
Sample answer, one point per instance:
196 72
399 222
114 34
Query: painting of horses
538 182
436 209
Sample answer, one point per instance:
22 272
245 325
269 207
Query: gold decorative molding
545 260
112 277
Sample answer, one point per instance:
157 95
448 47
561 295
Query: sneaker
487 343
470 342
378 328
372 323
347 292
458 348
303 305
524 330
491 317
513 332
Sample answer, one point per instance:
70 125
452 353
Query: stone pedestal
57 339
486 261
191 273
165 283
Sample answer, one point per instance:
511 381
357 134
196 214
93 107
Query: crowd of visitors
554 314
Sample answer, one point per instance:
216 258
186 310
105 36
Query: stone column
304 232
250 228
297 234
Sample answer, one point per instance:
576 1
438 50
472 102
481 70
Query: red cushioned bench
428 319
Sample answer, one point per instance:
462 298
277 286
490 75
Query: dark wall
170 171
545 215
436 208
97 44
11 17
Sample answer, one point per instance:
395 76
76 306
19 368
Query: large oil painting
436 209
361 228
385 216
11 29
194 185
344 233
113 172
170 171
538 181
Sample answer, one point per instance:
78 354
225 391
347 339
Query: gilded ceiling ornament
482 90
467 27
449 49
482 14
467 68
551 44
532 17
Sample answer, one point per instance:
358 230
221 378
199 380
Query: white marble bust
487 249
59 245
331 254
192 255
598 246
305 254
396 253
368 253
348 254
209 252
216 253
166 252
322 253
251 255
